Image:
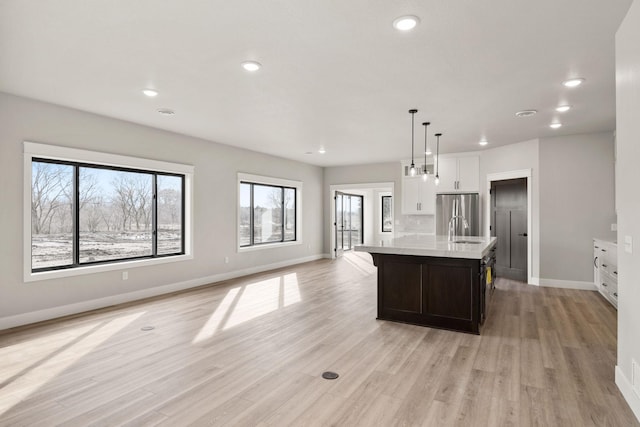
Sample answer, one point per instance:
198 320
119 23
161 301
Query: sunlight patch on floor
13 356
27 383
248 302
264 297
216 319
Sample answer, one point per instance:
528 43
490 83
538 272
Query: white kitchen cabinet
418 196
605 269
459 174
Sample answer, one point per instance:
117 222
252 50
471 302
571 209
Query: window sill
268 246
92 269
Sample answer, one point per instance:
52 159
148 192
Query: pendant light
437 180
412 169
425 174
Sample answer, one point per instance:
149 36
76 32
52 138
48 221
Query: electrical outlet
226 260
628 244
125 275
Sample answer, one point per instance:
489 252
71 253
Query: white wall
576 203
358 174
508 158
628 197
216 168
569 174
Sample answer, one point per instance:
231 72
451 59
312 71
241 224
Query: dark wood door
509 226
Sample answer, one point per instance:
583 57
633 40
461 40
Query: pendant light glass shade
437 179
425 173
412 169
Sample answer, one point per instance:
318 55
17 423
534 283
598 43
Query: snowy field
51 250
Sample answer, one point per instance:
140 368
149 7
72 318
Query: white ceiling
335 73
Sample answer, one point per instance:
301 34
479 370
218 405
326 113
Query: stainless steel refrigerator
460 207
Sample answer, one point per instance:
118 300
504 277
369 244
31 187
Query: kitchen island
432 281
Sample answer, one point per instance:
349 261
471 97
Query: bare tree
169 206
50 189
123 199
133 200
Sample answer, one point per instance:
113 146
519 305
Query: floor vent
329 375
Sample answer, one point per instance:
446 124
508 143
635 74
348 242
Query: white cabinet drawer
605 269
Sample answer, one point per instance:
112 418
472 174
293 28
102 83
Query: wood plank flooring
250 352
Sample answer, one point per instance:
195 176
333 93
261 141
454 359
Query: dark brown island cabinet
442 284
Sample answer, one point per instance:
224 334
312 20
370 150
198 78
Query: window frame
78 158
382 198
244 178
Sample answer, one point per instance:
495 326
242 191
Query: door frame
350 196
501 176
344 187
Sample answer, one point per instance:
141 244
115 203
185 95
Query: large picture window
267 213
91 214
86 214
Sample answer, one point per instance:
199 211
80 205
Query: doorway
509 224
349 221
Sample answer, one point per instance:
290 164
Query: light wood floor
251 352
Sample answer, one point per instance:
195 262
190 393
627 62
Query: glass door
339 224
348 223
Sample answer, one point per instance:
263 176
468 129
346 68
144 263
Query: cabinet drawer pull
597 247
604 284
595 262
604 265
615 294
603 250
615 272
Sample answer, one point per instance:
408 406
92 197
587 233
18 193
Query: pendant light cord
424 167
412 115
438 135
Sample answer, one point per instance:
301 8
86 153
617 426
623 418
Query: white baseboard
565 284
625 387
80 307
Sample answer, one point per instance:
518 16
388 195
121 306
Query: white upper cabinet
418 196
448 172
459 174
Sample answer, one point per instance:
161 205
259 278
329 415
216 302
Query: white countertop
437 246
607 240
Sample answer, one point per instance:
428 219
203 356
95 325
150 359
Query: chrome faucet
451 235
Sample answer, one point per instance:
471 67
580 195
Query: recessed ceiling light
322 150
573 82
526 113
406 23
483 142
555 125
251 65
166 111
428 152
563 108
150 92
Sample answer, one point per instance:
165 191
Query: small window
268 211
387 214
267 214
